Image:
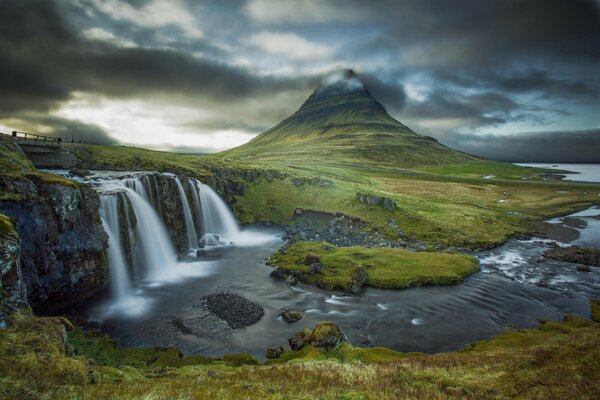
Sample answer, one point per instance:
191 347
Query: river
515 288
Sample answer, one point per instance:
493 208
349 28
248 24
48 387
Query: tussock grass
386 268
40 358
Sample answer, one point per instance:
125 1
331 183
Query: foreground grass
385 268
43 358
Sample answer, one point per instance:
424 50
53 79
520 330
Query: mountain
341 123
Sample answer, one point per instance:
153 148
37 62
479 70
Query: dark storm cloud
567 147
44 63
76 131
483 63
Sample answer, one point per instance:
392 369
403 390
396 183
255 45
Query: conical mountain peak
340 121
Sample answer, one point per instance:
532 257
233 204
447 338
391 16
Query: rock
278 273
63 245
297 341
209 239
389 204
13 294
292 316
236 310
311 259
79 172
212 374
275 352
292 280
315 269
584 268
358 280
372 200
574 254
200 253
325 335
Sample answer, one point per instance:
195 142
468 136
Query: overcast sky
477 75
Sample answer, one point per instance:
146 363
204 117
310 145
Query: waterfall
196 201
151 248
187 215
119 276
153 241
217 218
140 248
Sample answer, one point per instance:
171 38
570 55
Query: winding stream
515 287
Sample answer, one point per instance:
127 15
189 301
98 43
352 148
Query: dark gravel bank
236 310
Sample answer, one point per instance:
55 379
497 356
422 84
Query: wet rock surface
586 256
325 335
275 352
13 294
63 245
292 316
234 309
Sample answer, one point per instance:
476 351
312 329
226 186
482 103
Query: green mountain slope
342 123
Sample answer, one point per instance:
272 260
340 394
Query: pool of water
515 288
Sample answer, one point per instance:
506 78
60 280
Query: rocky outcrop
325 335
62 246
372 200
168 204
291 316
339 230
574 254
13 294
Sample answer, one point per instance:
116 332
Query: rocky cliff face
62 243
13 294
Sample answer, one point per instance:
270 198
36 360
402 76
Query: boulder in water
210 239
292 316
275 352
325 335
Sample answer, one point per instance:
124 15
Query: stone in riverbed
209 240
236 310
292 316
574 254
325 335
275 352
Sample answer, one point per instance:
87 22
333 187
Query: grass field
453 205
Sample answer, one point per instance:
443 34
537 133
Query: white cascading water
152 247
187 214
119 276
153 240
217 218
128 207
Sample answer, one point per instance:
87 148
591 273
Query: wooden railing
26 137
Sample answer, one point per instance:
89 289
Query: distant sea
581 172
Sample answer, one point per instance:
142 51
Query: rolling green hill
342 123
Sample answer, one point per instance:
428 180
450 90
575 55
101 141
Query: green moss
104 351
387 268
13 161
7 228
